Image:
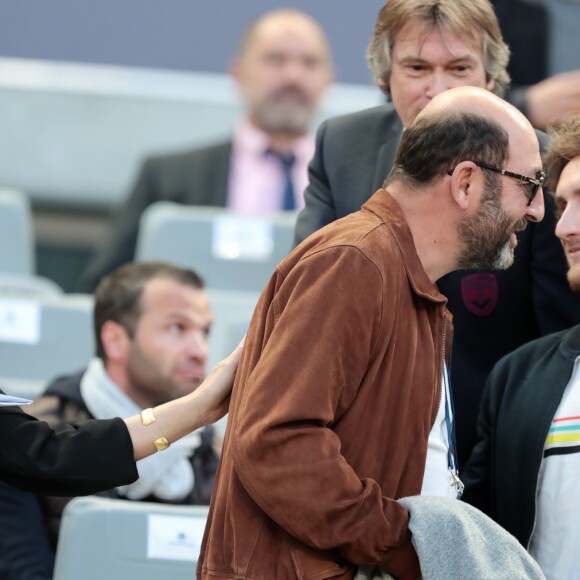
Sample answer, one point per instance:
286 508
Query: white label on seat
19 321
174 537
241 237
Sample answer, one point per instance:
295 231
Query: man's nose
198 346
568 224
294 71
535 211
438 83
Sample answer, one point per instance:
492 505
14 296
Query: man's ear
235 70
385 87
116 341
462 184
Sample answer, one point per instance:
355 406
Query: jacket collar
389 212
570 346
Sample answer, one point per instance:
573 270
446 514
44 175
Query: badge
479 293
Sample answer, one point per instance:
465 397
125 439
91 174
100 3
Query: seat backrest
27 286
120 539
232 311
230 251
16 235
43 337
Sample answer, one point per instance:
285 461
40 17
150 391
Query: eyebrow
463 58
185 317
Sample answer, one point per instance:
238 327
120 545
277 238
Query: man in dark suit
282 71
434 45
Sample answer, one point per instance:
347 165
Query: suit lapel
386 154
221 169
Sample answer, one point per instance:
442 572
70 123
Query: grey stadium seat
16 235
230 251
118 539
43 337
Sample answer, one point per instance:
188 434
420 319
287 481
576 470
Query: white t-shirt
555 542
437 480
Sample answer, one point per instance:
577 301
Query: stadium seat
230 251
115 539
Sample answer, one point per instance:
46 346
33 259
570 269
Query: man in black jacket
524 469
151 326
421 48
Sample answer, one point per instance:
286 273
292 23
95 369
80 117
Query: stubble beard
280 114
145 377
486 236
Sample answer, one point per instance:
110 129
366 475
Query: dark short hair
564 146
471 19
434 144
118 296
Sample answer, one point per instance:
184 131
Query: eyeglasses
535 182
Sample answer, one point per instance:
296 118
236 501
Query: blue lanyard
451 436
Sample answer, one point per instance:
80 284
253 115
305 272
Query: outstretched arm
92 456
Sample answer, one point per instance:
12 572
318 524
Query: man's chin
185 386
289 119
505 257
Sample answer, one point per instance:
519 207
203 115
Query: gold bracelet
161 444
147 417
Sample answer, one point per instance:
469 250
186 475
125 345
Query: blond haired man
421 48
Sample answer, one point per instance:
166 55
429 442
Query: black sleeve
120 246
477 474
72 459
319 206
24 545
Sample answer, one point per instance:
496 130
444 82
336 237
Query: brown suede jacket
332 406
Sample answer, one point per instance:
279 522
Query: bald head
274 22
464 124
479 102
282 70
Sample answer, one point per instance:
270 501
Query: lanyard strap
451 435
